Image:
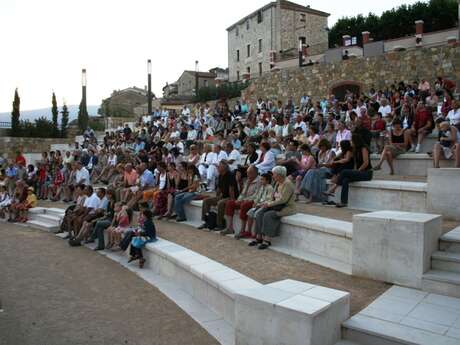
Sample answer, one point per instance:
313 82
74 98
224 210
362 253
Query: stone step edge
446 256
442 277
452 236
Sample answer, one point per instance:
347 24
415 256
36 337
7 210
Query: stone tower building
255 41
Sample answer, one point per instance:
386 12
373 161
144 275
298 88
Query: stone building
123 102
170 90
187 82
276 28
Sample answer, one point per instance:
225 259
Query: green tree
397 22
15 123
83 117
55 113
64 121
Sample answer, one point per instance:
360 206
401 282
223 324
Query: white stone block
444 192
269 316
395 246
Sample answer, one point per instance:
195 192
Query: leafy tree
64 121
228 90
15 124
397 22
55 113
82 116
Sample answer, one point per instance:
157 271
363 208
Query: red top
20 160
379 125
42 174
422 117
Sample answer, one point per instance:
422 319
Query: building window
237 75
260 45
248 71
247 24
205 83
248 50
302 18
238 55
260 68
260 18
237 31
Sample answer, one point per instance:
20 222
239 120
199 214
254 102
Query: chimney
418 32
346 40
366 35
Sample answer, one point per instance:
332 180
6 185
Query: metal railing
5 124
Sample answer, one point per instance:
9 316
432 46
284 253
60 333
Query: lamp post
149 88
196 78
83 87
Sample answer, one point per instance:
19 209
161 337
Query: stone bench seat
320 240
410 164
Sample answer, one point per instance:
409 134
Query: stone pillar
394 246
366 37
419 32
443 193
290 312
345 40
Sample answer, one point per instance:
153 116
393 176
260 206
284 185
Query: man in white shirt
207 159
234 157
212 171
300 123
454 115
82 174
385 108
91 203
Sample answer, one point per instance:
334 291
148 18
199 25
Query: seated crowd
255 159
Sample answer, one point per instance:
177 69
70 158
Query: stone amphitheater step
43 225
442 282
450 241
446 261
324 241
406 316
409 164
392 195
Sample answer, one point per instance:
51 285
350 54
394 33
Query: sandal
132 258
255 243
264 245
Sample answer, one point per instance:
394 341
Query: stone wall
9 145
379 72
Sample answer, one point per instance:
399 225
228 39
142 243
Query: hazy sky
46 43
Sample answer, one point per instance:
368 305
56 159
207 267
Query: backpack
211 220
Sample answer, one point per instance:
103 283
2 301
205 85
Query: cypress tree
64 121
15 124
55 113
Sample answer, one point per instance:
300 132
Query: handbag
139 241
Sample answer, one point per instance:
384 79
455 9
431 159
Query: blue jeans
179 202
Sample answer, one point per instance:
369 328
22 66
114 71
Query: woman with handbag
268 221
145 235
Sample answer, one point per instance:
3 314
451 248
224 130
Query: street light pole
83 91
149 88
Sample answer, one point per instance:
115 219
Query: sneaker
417 149
226 232
412 148
202 226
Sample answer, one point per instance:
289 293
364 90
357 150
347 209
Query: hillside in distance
34 114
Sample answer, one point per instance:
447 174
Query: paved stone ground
56 295
269 266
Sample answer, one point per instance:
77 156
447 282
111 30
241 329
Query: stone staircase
444 276
47 219
405 316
